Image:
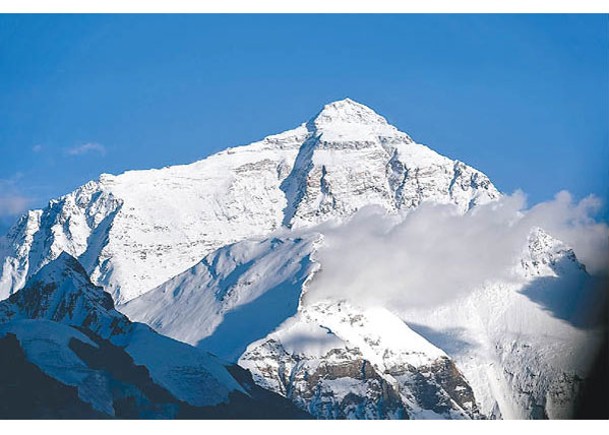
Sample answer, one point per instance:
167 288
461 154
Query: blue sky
524 98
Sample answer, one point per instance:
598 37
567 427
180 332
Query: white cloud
433 253
87 148
573 223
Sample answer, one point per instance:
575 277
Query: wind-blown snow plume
434 253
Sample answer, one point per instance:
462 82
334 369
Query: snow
504 326
46 344
375 331
15 267
379 335
349 121
337 334
514 351
305 338
188 373
65 295
216 304
134 231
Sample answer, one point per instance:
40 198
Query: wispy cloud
89 147
12 201
37 148
11 205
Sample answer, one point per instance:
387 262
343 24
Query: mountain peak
62 291
347 111
64 268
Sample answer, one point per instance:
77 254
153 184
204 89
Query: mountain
235 299
71 355
222 254
134 231
525 343
339 361
514 348
234 296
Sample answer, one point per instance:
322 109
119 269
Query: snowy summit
220 255
134 231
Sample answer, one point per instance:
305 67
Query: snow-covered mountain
134 231
221 254
249 295
63 330
526 343
514 348
234 296
337 361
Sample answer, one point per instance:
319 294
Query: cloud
11 205
433 253
574 224
12 202
37 148
86 148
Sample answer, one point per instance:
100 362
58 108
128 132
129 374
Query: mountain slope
338 361
64 330
237 297
234 296
515 348
134 231
525 343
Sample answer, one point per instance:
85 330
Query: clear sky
524 98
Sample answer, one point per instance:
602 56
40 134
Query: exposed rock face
341 385
438 387
337 361
234 296
233 300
